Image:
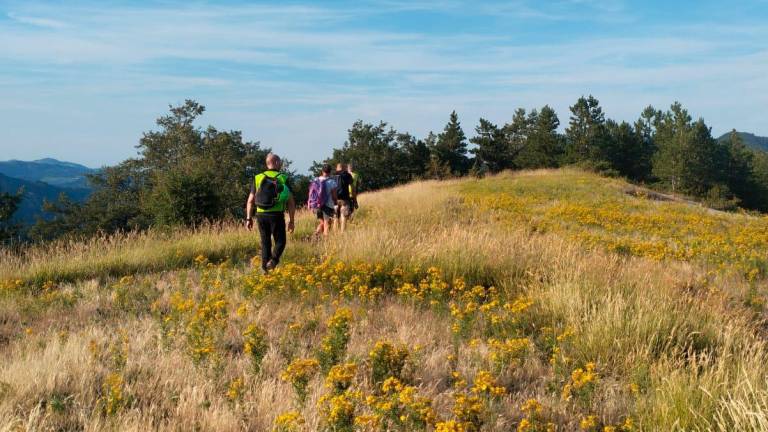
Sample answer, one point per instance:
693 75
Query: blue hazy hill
40 180
54 172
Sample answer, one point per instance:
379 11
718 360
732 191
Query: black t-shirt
343 181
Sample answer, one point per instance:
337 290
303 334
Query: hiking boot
271 264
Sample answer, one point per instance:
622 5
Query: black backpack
343 182
268 192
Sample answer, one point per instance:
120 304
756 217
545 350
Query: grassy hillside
547 300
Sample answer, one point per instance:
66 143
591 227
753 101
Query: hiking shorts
325 213
344 208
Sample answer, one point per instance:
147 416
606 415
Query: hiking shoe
271 264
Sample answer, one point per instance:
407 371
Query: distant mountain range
750 140
51 171
43 179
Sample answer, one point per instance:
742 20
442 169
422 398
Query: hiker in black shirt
344 198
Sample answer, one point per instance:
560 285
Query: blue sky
81 81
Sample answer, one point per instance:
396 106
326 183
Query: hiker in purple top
322 200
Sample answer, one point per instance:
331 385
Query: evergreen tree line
186 175
664 149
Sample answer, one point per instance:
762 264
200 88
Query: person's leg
320 223
278 232
265 232
343 214
336 214
352 207
328 219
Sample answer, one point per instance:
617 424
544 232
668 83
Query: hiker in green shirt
271 195
355 187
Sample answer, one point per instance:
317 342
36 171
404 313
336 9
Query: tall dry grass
673 323
138 252
683 334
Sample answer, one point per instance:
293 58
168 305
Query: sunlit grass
479 319
146 252
613 215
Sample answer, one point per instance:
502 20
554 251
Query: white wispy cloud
38 21
263 68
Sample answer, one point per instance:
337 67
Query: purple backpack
317 194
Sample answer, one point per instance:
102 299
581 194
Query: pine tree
451 147
688 157
586 134
672 130
516 137
740 173
626 151
416 156
760 176
492 152
645 128
544 145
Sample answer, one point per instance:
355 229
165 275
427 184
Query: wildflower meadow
536 301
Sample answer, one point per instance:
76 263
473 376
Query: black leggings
271 225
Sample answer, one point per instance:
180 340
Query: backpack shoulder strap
265 174
257 179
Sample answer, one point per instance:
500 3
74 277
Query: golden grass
676 345
612 215
131 253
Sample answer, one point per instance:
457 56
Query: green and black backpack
268 192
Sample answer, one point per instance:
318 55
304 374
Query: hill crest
48 170
750 140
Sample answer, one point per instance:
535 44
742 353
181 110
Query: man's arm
249 210
291 212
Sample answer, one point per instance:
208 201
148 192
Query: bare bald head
273 161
